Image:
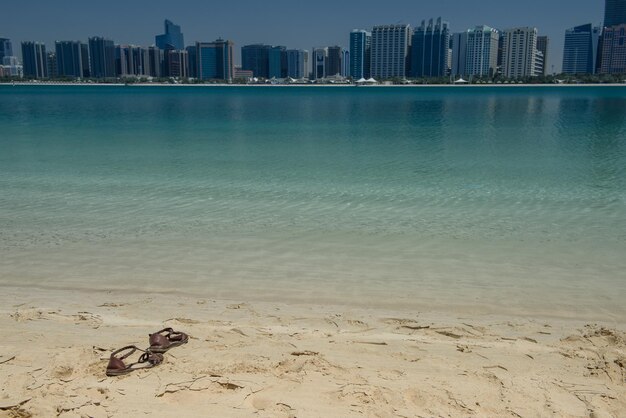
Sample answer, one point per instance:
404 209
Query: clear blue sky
295 24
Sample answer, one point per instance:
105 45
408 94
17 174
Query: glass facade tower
580 49
102 57
172 38
614 12
360 54
34 59
6 48
429 49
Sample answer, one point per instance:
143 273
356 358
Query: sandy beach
266 359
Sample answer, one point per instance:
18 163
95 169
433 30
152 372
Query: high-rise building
277 62
34 60
296 67
215 60
519 52
11 67
333 61
390 48
459 52
613 50
345 63
178 63
320 56
360 53
542 46
481 56
102 57
71 58
255 58
172 38
429 49
132 60
614 12
51 62
155 62
192 56
580 49
6 48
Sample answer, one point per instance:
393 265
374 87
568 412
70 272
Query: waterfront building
6 48
519 52
542 46
580 49
429 49
72 58
192 56
255 58
360 54
172 38
481 56
155 62
11 67
243 74
389 51
51 62
277 62
178 63
320 56
613 50
459 51
34 60
215 60
102 57
296 63
614 12
132 60
333 61
345 63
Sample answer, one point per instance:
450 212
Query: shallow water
485 199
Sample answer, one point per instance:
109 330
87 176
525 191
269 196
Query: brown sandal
116 366
160 343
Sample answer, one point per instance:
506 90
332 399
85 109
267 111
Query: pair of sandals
160 342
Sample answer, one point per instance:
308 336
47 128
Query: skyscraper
155 61
277 62
51 59
255 58
429 49
6 49
519 52
333 61
481 57
390 47
172 38
580 49
459 53
34 60
345 63
192 56
70 58
542 46
102 57
215 60
178 63
296 63
614 12
320 55
614 50
360 54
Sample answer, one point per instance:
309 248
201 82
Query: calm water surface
485 199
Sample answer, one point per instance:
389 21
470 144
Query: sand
262 359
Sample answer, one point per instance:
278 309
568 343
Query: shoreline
274 359
543 85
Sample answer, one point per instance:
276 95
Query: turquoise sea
491 199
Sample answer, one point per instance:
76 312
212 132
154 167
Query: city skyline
281 24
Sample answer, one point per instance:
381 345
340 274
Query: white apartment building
389 51
519 52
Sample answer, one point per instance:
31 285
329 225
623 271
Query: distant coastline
207 85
